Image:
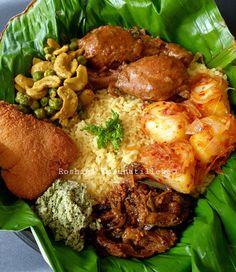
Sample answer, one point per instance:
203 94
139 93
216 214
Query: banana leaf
209 243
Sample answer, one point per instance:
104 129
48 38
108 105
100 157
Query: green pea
49 111
55 103
44 101
40 113
48 50
53 58
49 72
34 105
23 109
18 97
37 75
22 99
73 45
81 60
52 92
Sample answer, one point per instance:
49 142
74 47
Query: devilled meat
136 243
139 220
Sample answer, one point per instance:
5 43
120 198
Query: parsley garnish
112 132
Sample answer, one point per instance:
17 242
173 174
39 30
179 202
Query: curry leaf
112 132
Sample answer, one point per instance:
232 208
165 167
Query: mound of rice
99 169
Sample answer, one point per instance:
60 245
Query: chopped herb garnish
112 132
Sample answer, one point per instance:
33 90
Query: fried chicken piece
178 52
152 78
101 80
31 152
109 46
151 46
156 46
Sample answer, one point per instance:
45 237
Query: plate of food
118 134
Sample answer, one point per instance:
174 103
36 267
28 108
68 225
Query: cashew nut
24 82
36 93
53 44
39 89
64 66
36 60
61 50
19 89
74 66
41 66
78 52
70 103
80 81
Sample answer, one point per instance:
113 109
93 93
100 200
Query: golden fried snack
31 152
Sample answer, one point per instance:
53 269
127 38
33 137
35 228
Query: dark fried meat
109 46
135 217
32 152
152 78
166 209
169 209
137 243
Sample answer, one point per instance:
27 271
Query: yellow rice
100 169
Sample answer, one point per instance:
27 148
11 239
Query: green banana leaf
209 243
